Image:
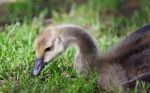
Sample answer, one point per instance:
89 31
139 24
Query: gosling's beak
38 66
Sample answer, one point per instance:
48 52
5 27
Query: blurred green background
20 21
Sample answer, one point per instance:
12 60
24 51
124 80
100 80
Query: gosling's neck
79 37
87 55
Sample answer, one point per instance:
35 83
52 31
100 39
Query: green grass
17 50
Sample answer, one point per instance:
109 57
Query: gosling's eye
48 48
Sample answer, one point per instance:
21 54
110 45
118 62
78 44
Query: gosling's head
48 44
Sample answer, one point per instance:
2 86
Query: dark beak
38 66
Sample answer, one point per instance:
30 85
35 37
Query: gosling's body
133 53
126 61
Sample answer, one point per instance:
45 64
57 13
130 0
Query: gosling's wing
135 57
137 64
132 83
136 42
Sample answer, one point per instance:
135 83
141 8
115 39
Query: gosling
119 67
